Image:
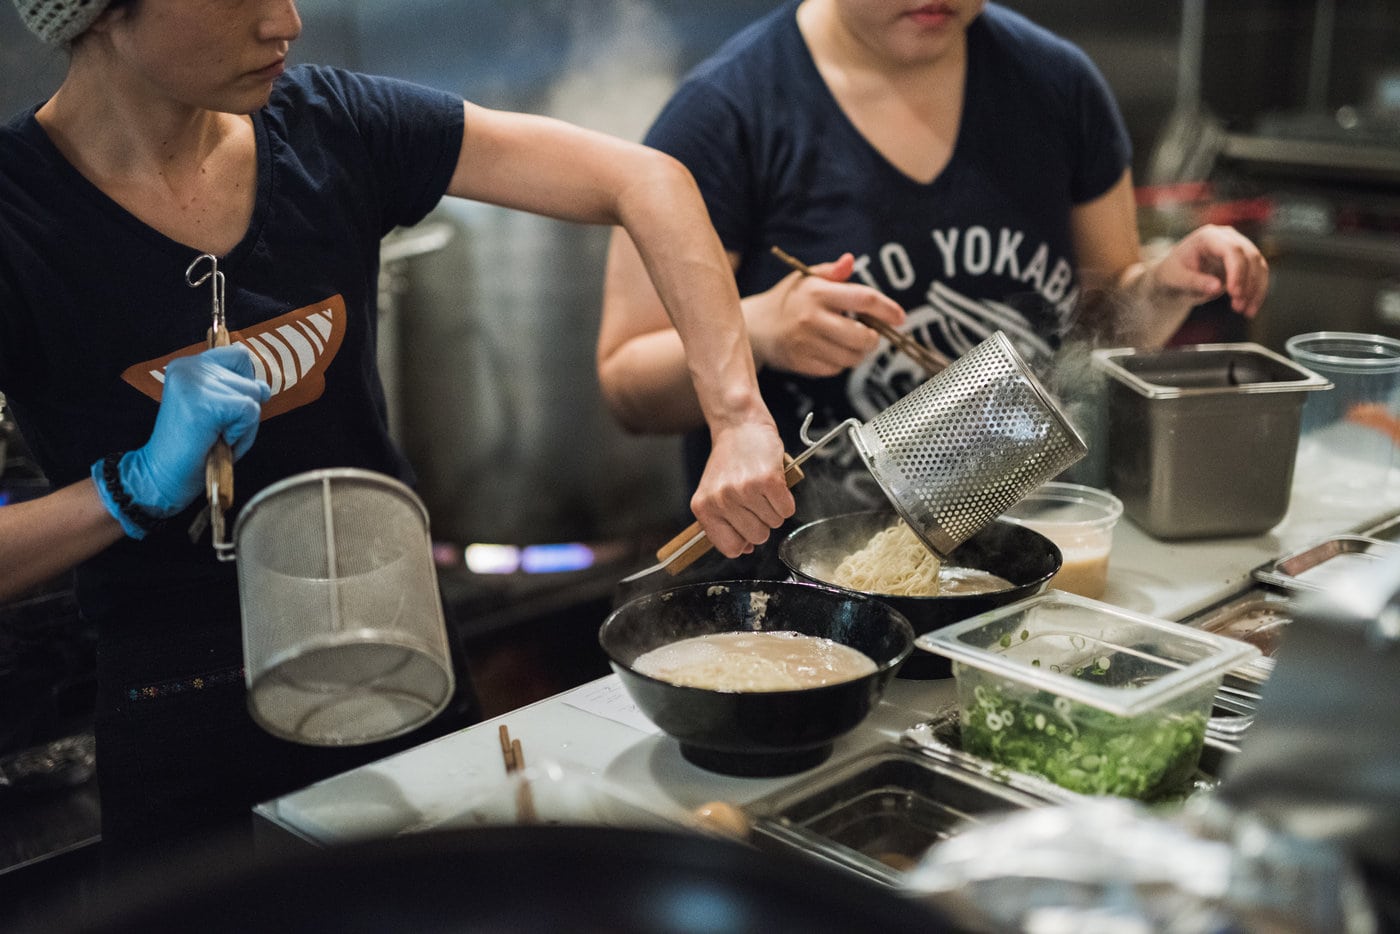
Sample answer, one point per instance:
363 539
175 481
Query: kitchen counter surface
597 735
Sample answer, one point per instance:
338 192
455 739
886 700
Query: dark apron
178 756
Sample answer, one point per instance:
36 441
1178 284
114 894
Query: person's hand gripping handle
683 550
207 398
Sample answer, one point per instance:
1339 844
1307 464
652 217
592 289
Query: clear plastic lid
1090 652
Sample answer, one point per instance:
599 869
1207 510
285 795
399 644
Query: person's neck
110 124
839 51
186 171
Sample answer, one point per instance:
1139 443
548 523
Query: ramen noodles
894 561
737 662
897 563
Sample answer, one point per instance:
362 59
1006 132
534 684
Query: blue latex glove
206 396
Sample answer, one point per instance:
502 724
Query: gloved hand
208 395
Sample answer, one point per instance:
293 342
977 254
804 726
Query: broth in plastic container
1099 700
1079 520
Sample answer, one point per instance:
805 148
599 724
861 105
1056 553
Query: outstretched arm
551 168
42 538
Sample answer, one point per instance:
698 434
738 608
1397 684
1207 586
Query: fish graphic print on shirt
290 353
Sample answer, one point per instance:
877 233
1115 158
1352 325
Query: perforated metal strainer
343 632
967 444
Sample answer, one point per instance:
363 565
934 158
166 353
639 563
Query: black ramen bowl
759 733
1020 555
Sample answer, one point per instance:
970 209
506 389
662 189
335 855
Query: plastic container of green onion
1098 699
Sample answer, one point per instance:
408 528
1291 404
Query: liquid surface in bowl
736 662
957 581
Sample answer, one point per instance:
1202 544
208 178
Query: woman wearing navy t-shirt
948 167
179 130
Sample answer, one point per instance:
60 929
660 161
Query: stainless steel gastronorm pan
1259 616
1314 567
878 813
1202 438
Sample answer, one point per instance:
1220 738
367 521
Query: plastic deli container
1098 699
1341 451
1079 520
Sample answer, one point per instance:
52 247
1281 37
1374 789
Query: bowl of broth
755 678
1002 563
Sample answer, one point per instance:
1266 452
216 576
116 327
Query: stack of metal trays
878 813
1257 617
1315 567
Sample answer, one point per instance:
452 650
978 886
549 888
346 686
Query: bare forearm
42 538
647 385
667 221
1157 295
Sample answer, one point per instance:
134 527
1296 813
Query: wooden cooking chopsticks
931 360
514 757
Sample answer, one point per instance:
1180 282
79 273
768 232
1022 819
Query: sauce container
1079 520
1098 699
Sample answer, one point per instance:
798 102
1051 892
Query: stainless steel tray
1387 529
1259 617
878 813
940 739
1314 567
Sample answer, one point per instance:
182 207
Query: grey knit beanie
57 21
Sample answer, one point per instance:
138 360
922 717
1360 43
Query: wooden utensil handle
791 473
218 470
218 466
931 360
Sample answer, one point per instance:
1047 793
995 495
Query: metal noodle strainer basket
343 632
966 445
952 455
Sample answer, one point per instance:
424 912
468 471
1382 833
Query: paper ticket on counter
608 698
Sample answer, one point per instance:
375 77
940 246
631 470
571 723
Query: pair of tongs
218 466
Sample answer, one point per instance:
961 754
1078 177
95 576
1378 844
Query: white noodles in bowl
894 561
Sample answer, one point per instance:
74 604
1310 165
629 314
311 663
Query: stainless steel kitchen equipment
1024 558
876 814
1259 617
955 452
1320 761
343 631
959 450
1319 565
1202 438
